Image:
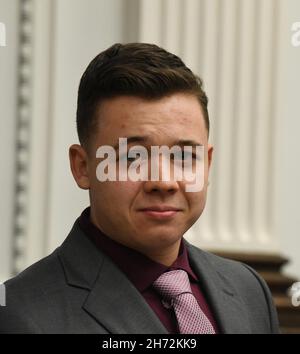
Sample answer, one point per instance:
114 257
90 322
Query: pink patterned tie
174 287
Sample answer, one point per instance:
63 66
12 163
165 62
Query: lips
160 212
160 208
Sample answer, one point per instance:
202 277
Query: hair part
134 69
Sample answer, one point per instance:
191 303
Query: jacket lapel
225 304
118 305
112 301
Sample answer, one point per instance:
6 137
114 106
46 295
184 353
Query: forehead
178 116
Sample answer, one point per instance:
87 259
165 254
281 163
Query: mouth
160 212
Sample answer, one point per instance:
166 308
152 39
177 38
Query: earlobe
79 166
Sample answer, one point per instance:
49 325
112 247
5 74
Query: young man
125 266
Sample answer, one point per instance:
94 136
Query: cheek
196 202
115 193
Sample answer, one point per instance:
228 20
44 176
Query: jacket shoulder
26 292
43 271
242 280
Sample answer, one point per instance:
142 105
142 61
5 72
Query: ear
79 166
210 150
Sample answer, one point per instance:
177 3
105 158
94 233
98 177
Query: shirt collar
140 270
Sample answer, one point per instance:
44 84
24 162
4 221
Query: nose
162 187
159 184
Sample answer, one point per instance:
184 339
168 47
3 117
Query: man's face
127 211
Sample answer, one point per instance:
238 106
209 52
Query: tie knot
172 283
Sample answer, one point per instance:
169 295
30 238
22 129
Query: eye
184 155
131 159
128 158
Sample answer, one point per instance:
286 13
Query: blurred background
242 49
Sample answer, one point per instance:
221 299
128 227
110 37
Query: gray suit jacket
78 289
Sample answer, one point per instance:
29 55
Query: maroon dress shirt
143 271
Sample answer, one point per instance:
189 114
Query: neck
166 257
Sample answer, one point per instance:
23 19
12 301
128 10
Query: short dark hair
134 69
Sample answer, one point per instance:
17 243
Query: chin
163 239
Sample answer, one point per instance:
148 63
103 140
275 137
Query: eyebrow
144 139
